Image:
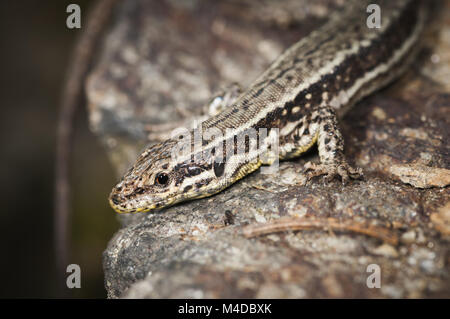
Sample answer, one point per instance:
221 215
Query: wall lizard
298 99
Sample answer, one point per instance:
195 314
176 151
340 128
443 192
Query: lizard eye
161 179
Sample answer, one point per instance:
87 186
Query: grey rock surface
161 62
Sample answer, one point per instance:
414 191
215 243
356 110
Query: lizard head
156 181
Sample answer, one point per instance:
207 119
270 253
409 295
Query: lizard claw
344 170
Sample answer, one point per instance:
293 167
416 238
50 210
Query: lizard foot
344 170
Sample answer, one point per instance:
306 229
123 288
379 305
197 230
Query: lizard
298 100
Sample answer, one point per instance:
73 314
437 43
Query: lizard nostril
115 199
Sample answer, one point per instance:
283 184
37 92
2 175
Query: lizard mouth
126 208
122 205
141 204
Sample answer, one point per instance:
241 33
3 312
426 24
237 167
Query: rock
386 250
441 220
160 63
421 176
409 237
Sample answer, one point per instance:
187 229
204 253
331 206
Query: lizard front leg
222 99
331 149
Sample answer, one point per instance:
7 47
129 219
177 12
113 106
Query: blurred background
35 51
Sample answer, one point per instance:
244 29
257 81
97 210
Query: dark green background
35 51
